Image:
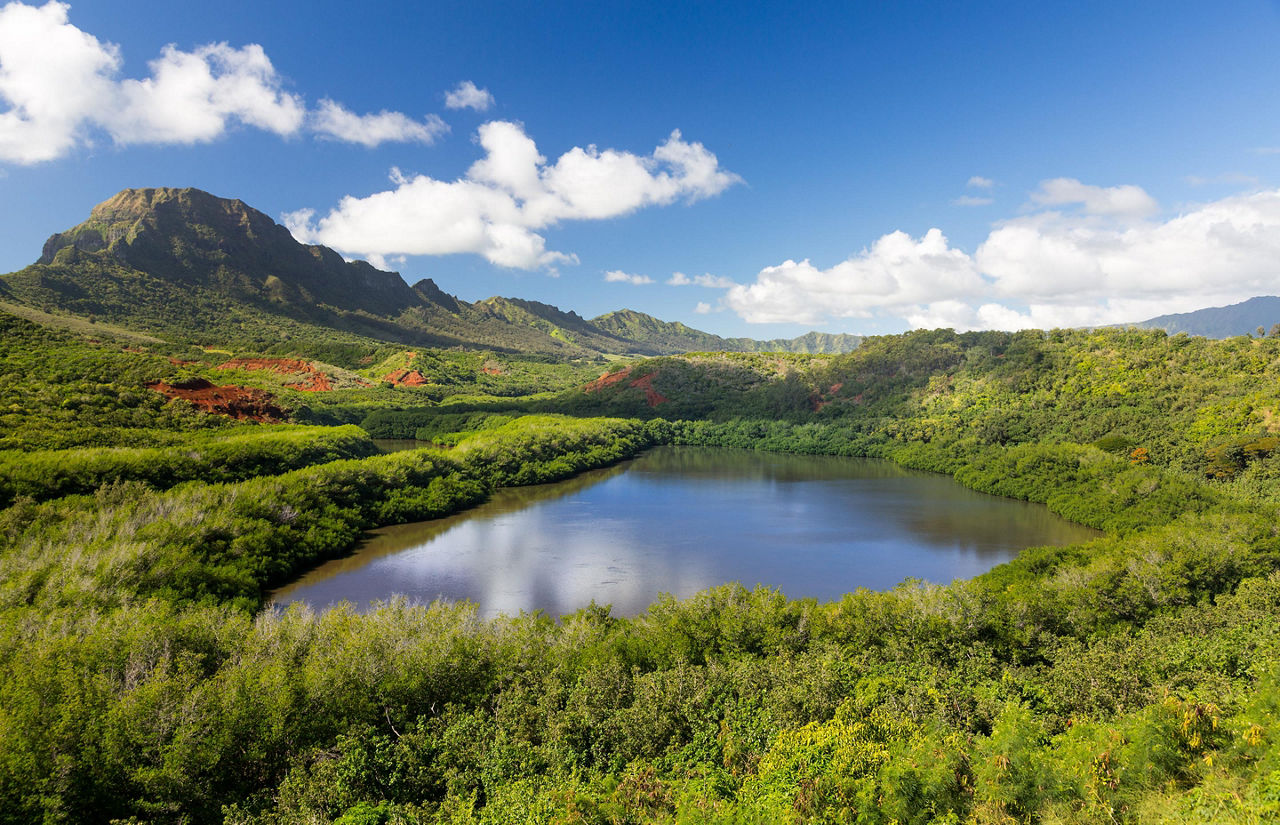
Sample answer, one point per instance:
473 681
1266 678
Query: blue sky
846 167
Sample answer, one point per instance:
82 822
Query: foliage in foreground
1133 678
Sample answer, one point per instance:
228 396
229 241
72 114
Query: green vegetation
1244 318
1133 679
184 265
211 457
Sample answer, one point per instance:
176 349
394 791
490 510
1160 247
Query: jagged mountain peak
196 265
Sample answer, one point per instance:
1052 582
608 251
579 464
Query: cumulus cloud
1103 264
707 280
497 208
62 87
617 276
979 182
467 96
1125 201
898 272
970 200
702 308
193 96
335 121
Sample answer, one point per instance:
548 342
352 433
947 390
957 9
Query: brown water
680 519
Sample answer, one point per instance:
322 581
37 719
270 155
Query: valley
188 405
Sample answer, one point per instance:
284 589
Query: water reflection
679 520
396 445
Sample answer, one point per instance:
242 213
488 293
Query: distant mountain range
194 267
1221 322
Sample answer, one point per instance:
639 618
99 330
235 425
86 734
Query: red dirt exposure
313 379
491 370
644 382
650 394
607 379
405 378
235 402
819 400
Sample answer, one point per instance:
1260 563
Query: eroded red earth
313 380
650 394
644 382
235 402
405 378
607 379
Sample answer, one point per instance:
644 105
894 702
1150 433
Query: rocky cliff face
199 267
195 238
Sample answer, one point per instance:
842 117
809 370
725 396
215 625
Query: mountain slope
194 267
187 264
563 326
1243 318
670 337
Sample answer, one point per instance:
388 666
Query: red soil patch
235 402
819 400
607 379
650 394
645 382
491 370
313 379
405 378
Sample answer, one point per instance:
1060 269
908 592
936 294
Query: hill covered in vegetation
187 265
1130 679
1244 318
675 336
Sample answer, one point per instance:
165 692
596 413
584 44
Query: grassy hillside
1131 679
1244 318
668 338
186 266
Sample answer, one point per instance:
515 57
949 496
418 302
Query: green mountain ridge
210 270
1243 318
637 326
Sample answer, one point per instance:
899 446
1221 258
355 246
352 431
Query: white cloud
702 308
335 121
1042 270
387 265
1126 201
61 87
617 276
979 182
707 280
1266 150
896 273
496 209
970 200
193 96
51 73
467 96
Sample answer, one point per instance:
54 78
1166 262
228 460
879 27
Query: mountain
675 336
195 267
566 326
1221 322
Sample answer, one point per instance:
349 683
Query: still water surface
680 519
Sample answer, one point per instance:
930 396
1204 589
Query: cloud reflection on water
678 520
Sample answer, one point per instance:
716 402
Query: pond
680 519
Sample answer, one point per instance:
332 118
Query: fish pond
681 519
